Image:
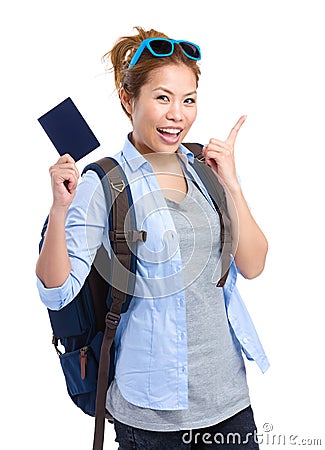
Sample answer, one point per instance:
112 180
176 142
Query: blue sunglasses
161 47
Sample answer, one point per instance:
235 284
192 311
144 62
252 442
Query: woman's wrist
58 213
234 188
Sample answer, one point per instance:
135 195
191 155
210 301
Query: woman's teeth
169 130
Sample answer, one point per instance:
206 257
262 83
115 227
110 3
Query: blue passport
68 130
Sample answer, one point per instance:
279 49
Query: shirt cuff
54 298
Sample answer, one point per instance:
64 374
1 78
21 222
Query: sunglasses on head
161 47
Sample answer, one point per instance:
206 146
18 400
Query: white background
260 58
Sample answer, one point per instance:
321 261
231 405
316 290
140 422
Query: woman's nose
175 112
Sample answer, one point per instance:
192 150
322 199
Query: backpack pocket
80 369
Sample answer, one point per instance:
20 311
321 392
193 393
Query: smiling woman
179 360
134 62
164 110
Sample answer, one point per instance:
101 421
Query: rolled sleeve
54 298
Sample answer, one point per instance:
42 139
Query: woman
180 373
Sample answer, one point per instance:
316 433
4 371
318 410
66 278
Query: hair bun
121 54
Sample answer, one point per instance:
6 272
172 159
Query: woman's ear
126 101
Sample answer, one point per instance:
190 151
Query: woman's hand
219 155
250 244
64 177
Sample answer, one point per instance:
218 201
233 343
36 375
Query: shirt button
245 340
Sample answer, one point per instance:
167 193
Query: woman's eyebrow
161 88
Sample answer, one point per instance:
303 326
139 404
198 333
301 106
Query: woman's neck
164 162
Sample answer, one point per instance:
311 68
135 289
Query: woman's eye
190 100
164 98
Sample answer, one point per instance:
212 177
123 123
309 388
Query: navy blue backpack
87 325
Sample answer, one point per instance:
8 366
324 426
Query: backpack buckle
200 158
117 236
129 236
137 235
112 320
119 186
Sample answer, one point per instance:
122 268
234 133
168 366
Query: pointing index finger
234 131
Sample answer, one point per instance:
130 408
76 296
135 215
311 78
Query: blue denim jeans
236 433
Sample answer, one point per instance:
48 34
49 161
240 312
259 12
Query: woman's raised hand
64 177
219 155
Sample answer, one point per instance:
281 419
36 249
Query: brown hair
133 79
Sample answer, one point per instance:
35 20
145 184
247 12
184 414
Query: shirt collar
135 160
185 154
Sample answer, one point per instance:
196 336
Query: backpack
86 327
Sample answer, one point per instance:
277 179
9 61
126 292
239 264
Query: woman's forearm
250 244
53 266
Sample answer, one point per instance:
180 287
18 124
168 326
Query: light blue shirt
151 340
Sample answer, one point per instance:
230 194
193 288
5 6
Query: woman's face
165 109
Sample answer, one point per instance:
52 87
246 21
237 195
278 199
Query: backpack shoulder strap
123 236
217 193
195 148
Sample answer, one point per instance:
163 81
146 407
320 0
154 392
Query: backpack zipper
83 362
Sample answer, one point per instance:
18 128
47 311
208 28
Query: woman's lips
169 135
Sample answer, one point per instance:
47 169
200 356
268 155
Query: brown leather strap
120 236
112 321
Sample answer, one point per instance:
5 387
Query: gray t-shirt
217 387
